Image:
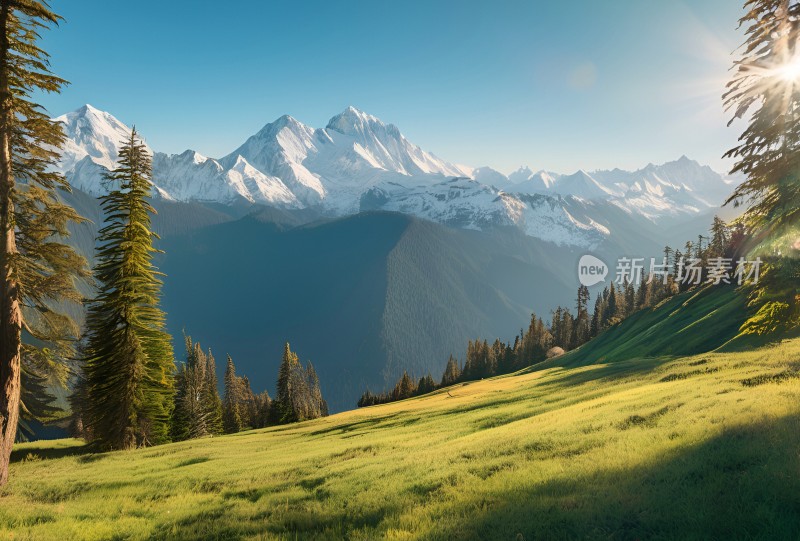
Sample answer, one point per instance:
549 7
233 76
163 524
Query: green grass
697 447
686 324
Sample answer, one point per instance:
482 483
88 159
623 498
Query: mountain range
369 254
358 163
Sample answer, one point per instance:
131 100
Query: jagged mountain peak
284 121
523 173
581 184
93 134
367 130
353 121
359 162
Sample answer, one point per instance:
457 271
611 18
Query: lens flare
790 72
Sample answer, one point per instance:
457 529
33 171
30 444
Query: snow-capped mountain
191 176
671 189
359 163
92 134
581 184
333 166
524 180
683 182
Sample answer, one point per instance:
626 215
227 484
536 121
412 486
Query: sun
790 72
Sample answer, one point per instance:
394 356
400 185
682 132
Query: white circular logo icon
591 270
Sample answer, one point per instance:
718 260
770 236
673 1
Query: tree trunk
10 312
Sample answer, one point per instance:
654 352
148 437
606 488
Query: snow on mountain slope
92 133
674 188
523 180
358 163
279 150
468 204
333 166
92 149
191 176
552 219
680 186
383 146
492 177
581 184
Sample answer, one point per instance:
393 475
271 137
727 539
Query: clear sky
557 85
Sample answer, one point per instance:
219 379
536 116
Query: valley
625 447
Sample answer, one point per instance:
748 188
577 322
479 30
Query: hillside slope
686 324
699 447
362 297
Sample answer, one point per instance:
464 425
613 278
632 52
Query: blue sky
555 85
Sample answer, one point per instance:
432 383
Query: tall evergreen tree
264 407
128 359
299 396
405 388
630 298
37 269
319 407
581 331
597 316
720 237
766 82
231 412
248 404
198 408
289 365
426 385
451 372
612 312
211 398
643 295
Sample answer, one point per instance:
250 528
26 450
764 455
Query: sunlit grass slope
698 447
686 324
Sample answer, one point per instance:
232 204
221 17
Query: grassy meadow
695 447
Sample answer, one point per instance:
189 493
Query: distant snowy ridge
359 163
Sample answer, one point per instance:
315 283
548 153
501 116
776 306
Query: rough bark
10 312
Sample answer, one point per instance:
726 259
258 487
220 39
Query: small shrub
761 379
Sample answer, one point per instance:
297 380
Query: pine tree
128 359
630 298
264 409
668 253
643 295
247 405
405 388
299 396
768 153
367 399
426 385
198 408
231 415
37 269
470 369
211 398
451 373
507 363
582 329
319 407
497 354
720 237
597 317
765 87
534 344
289 364
612 312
